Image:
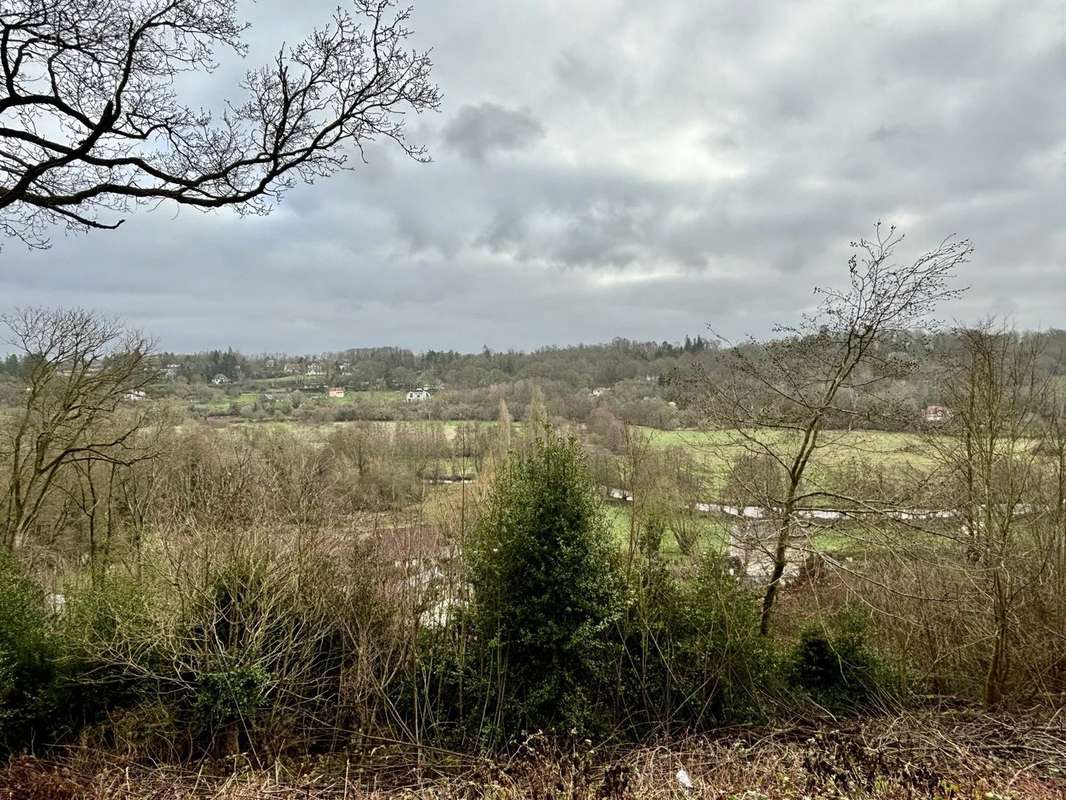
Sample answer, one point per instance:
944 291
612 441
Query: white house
335 391
418 395
136 395
219 379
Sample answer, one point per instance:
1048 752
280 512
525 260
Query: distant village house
220 379
335 391
418 395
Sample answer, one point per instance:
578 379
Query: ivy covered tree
546 589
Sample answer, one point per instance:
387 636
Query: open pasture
713 451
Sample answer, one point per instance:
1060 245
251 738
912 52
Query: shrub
260 654
228 699
734 665
451 681
696 658
546 591
836 665
103 624
27 658
246 651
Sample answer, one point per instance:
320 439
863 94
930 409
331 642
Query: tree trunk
784 536
997 664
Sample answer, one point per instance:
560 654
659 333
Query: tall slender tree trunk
997 663
784 538
784 533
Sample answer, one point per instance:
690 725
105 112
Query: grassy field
713 537
369 397
715 533
450 428
713 451
375 398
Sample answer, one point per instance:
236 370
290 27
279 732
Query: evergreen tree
546 590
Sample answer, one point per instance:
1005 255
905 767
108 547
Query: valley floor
936 753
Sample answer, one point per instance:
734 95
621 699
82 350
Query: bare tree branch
91 125
79 371
780 394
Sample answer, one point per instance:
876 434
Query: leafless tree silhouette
781 393
91 124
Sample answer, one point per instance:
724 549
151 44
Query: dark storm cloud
617 168
477 131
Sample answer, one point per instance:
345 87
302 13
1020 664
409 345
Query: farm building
751 551
417 395
934 413
335 391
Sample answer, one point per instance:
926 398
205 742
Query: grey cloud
825 118
593 76
577 72
477 131
886 132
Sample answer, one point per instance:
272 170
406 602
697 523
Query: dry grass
934 754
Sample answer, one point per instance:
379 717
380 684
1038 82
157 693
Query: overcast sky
625 168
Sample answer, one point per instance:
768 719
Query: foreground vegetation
557 594
947 752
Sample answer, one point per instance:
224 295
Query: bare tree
780 394
685 490
503 430
537 417
80 371
1053 448
639 484
91 124
993 474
